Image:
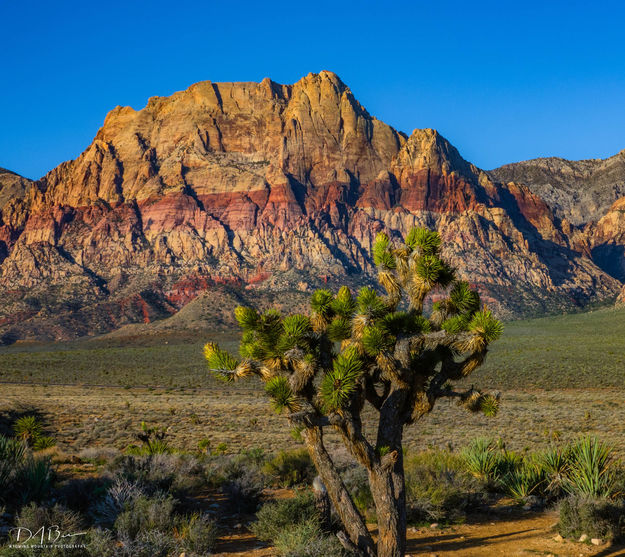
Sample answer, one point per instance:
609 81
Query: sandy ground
481 536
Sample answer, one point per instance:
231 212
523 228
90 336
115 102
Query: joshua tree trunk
387 488
340 497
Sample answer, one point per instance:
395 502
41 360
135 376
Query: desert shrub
79 493
100 543
306 539
357 483
160 472
34 517
276 516
598 517
198 533
99 455
203 445
119 495
244 490
143 514
151 543
289 468
439 488
592 468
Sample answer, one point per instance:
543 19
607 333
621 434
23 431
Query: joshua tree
323 369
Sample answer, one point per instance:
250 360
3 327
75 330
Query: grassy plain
559 377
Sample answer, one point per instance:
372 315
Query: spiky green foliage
428 269
523 480
339 329
321 301
489 405
339 383
382 255
344 304
297 330
427 241
481 460
455 324
592 468
370 304
248 318
484 324
28 429
282 396
218 359
463 298
376 340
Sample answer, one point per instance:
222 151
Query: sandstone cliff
247 189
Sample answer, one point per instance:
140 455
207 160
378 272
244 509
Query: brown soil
522 534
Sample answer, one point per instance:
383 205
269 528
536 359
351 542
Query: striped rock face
260 188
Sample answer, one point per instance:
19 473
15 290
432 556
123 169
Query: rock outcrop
249 189
580 191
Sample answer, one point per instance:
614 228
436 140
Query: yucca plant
555 462
592 468
370 348
481 460
524 480
28 429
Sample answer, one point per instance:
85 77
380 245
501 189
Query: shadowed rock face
260 187
580 191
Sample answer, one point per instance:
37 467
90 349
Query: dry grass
82 417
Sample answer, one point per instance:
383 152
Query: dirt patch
481 536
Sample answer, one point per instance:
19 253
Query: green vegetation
584 350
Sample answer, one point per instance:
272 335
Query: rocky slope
241 190
580 191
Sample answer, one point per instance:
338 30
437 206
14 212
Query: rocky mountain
260 191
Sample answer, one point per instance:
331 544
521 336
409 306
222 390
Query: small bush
244 491
160 472
121 494
198 533
555 463
101 543
439 488
99 455
306 539
276 516
289 468
151 543
596 517
143 515
33 517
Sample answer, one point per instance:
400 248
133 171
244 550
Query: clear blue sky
503 81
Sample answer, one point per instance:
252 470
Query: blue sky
503 81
